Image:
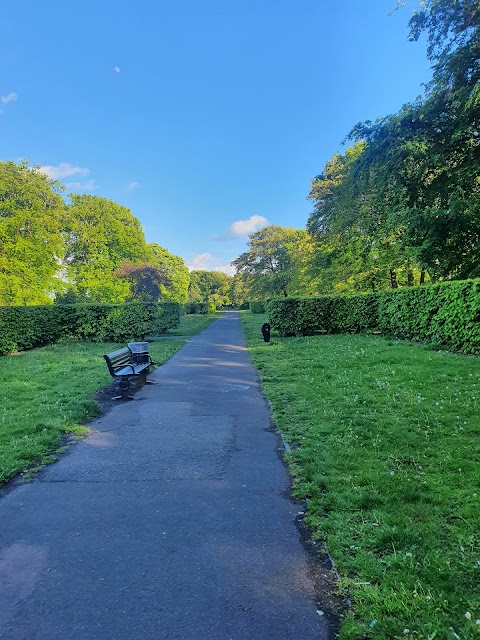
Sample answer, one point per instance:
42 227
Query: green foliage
28 327
146 280
258 306
272 265
178 277
210 287
31 215
101 235
193 308
446 314
23 328
403 204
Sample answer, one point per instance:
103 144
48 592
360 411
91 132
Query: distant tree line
401 205
88 249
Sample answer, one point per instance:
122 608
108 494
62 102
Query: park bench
126 364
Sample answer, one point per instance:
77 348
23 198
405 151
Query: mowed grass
387 437
191 324
47 392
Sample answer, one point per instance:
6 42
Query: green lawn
387 455
47 392
193 324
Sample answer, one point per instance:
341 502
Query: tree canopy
31 242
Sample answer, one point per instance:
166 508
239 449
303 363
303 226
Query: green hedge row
201 308
24 328
194 308
258 306
445 314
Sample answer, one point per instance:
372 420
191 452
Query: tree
31 243
146 280
176 271
101 235
428 153
268 266
210 286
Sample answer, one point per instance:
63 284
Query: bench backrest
118 359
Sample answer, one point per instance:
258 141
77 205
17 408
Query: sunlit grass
192 324
387 454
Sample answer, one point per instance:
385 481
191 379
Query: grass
387 455
45 393
190 325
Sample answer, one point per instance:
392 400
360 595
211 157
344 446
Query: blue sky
205 118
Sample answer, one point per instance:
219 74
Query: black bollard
266 332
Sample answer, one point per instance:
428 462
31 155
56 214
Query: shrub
258 306
24 328
29 327
446 314
194 308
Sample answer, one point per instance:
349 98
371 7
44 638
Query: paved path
170 521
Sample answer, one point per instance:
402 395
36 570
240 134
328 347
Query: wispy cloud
10 97
243 228
63 170
90 185
208 262
131 186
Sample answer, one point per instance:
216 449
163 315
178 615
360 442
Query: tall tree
176 272
31 243
430 150
101 235
146 280
210 286
268 266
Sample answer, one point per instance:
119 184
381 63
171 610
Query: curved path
172 520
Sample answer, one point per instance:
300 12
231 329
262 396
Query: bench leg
124 386
145 379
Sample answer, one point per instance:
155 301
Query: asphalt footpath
171 520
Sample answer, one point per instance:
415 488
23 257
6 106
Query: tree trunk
422 277
393 279
410 280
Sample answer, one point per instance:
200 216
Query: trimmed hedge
194 308
258 306
24 328
445 314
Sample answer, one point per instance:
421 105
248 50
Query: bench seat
122 364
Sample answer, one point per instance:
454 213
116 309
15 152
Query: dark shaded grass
388 454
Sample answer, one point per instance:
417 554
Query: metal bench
125 365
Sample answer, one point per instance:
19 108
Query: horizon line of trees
87 249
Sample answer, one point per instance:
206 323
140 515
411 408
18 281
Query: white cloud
63 170
116 69
131 186
10 97
228 268
90 185
208 262
243 228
